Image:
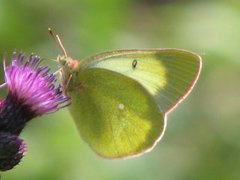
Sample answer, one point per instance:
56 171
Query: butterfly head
68 66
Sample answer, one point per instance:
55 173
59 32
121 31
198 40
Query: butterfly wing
114 114
120 98
167 74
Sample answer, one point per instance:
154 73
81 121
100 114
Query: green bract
120 99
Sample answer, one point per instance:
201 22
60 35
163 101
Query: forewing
167 74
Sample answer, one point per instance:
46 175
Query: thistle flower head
31 93
33 86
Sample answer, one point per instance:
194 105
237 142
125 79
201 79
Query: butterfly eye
134 64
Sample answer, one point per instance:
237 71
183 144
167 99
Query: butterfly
120 99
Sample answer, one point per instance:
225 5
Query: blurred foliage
202 136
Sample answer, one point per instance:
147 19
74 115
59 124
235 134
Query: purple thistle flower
31 93
33 86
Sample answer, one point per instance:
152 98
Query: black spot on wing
134 63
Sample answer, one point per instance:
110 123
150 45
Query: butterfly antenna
57 39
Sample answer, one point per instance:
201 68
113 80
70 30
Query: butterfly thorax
68 67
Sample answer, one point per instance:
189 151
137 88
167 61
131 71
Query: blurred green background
202 136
